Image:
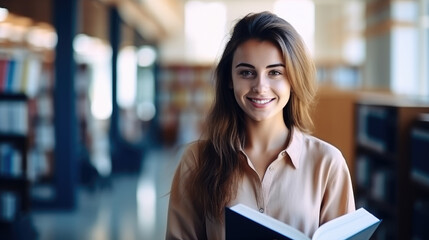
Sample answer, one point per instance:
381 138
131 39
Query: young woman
256 148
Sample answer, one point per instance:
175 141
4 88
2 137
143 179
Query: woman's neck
266 135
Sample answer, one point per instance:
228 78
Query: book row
20 71
8 206
376 129
376 180
420 214
341 76
13 117
182 88
419 155
10 161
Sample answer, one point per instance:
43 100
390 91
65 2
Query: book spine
21 118
20 71
3 73
33 75
3 164
363 170
17 79
16 163
419 155
11 160
18 56
13 117
4 128
382 182
10 75
8 206
376 129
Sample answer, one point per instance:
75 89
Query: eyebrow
251 66
276 65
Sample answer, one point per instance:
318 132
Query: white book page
345 226
269 222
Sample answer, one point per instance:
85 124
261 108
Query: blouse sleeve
338 197
184 221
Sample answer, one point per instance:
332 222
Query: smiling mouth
261 101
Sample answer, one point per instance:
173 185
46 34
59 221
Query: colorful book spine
10 76
3 73
20 72
17 80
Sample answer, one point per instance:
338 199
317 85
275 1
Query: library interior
99 97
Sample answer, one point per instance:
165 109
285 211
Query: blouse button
283 153
271 168
261 210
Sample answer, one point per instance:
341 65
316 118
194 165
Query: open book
242 222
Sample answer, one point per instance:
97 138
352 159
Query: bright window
204 29
127 77
299 13
424 46
97 55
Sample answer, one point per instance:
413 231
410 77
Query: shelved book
20 70
8 206
13 117
10 161
242 222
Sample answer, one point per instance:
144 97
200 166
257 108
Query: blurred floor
134 207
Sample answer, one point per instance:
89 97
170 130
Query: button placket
265 187
260 198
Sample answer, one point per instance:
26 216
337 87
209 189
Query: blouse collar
293 149
295 146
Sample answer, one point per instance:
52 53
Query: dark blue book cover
242 222
238 227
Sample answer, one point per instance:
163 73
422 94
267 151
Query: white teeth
261 101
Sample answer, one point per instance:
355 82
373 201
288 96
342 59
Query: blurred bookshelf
27 66
419 145
185 95
42 134
339 74
14 181
383 162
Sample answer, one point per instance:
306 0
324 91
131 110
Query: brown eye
246 73
275 73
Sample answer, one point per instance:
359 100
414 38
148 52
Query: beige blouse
307 185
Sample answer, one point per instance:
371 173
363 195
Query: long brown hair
213 183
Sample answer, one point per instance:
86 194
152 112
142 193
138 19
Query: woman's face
259 80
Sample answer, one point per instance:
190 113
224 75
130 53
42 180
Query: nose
260 84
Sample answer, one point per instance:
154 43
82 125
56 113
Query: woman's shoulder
327 156
191 150
194 147
321 147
